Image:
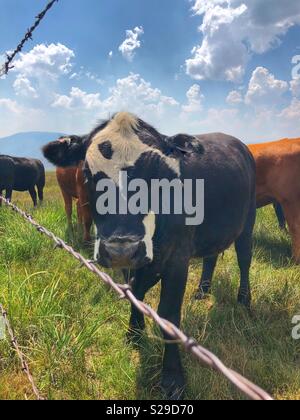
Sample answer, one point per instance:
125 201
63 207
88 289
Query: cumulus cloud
42 61
264 88
234 29
135 94
292 112
131 93
234 97
131 43
78 99
23 87
195 100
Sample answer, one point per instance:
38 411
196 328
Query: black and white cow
159 247
21 174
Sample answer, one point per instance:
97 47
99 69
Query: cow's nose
122 254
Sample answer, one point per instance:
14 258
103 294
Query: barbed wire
22 358
10 57
203 355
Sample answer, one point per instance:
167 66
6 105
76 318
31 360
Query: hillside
27 144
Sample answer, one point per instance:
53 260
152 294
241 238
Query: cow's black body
228 170
21 174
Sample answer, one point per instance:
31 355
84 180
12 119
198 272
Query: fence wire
204 356
22 359
28 36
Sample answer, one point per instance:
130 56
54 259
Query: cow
159 246
71 183
278 166
21 174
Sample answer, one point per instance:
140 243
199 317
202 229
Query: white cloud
74 76
234 97
78 99
133 93
264 88
82 74
110 54
234 29
292 112
23 87
9 105
43 61
221 55
131 43
195 100
15 118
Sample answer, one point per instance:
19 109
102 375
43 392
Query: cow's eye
106 150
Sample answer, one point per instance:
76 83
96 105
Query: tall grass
72 329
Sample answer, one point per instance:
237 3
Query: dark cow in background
21 174
159 247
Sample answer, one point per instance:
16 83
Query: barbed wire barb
204 356
21 356
7 66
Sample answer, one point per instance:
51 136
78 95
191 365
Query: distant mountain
27 145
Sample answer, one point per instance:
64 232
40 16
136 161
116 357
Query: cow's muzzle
123 254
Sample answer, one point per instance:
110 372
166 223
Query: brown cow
71 182
278 180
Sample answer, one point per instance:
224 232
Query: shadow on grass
276 251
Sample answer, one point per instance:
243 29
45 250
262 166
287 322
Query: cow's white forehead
126 147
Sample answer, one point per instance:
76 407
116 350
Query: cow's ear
66 151
185 143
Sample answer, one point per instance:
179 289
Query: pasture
72 329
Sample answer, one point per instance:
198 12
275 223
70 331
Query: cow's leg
68 207
244 250
174 280
209 265
280 216
40 193
87 222
292 213
86 217
79 212
8 194
33 195
143 281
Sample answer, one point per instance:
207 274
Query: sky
192 66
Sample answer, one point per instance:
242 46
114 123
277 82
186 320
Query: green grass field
72 329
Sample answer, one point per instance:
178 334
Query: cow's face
123 240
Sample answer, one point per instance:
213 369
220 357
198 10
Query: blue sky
185 65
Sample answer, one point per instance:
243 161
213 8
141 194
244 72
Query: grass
72 329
